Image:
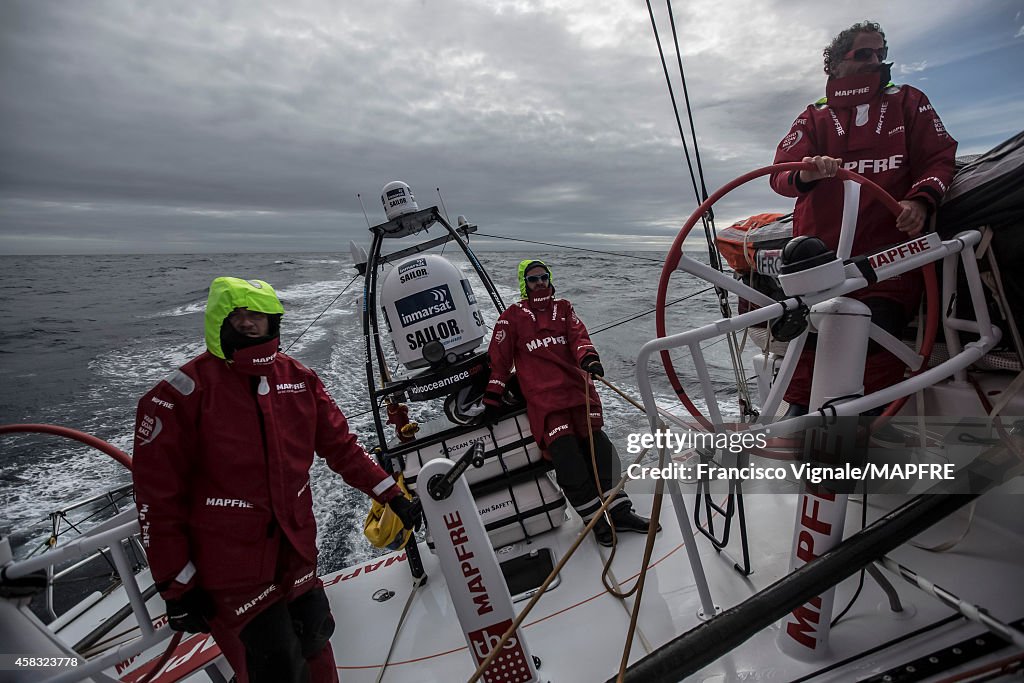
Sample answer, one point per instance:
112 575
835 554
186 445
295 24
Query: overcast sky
141 127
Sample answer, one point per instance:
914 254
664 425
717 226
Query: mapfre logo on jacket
865 166
291 388
544 342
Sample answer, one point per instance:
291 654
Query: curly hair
842 43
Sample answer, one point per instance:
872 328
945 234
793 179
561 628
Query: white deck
578 629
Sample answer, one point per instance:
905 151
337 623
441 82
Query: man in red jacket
891 135
554 359
223 448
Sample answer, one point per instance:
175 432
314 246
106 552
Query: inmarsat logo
416 268
412 265
393 198
424 305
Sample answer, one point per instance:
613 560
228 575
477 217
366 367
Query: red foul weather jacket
893 138
546 346
221 467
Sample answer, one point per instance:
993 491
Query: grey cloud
131 126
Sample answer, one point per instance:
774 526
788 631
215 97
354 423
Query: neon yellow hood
229 293
523 267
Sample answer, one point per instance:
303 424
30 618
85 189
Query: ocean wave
324 290
185 309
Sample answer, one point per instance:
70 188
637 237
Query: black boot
603 533
791 444
795 410
886 436
625 519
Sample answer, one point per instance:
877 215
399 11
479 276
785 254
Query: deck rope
416 583
972 612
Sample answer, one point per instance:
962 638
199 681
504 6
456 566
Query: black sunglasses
533 279
864 54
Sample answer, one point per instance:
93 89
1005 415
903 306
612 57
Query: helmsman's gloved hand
191 611
409 511
494 406
592 364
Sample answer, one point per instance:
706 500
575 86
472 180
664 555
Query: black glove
491 413
191 611
494 406
409 511
592 364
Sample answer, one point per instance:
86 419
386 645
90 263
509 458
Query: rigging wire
445 209
647 312
672 96
707 219
360 198
565 246
689 110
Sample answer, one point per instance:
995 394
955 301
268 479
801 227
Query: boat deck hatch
525 573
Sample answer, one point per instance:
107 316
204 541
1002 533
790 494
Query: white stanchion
843 326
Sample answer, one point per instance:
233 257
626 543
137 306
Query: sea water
82 338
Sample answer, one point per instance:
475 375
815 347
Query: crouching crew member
548 345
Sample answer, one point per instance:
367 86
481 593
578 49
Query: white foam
323 291
185 309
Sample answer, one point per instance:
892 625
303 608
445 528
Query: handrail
989 336
86 545
72 550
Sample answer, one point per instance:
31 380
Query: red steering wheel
675 252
